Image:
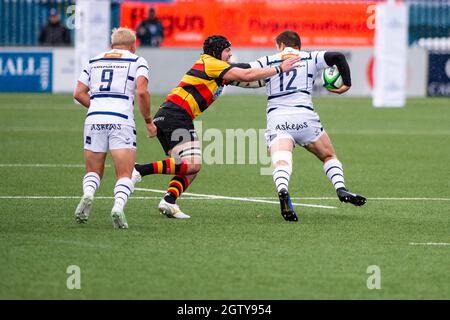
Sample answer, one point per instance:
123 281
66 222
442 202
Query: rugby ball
332 78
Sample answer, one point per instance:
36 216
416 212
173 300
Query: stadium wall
167 65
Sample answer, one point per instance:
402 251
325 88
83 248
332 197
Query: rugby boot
83 209
171 210
287 209
346 196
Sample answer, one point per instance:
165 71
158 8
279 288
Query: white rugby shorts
106 137
302 127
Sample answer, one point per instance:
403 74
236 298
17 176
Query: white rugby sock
124 187
281 175
335 173
91 182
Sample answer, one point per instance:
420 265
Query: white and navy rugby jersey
293 88
111 77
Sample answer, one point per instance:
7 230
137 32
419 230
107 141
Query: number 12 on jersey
289 85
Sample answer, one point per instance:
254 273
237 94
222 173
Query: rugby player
292 120
198 89
107 87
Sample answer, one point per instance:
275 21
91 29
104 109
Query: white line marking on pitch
210 196
391 132
79 243
43 165
335 198
79 197
429 244
193 197
411 199
204 197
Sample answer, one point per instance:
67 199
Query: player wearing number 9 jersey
291 118
107 87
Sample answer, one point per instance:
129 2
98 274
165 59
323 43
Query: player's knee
282 158
193 168
192 157
281 163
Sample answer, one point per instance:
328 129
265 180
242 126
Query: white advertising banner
63 70
92 30
391 54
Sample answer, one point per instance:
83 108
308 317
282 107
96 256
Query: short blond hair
122 37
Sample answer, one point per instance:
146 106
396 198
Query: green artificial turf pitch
229 249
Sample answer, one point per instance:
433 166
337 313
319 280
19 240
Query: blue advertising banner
439 75
26 71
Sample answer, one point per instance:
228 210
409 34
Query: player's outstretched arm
254 74
338 59
143 96
246 85
81 94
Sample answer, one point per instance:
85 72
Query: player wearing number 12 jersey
107 87
291 118
196 91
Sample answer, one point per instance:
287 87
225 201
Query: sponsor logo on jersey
291 126
99 127
218 92
88 140
158 119
272 136
113 55
288 55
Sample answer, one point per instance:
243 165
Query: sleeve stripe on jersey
225 71
114 59
108 113
130 78
273 62
117 96
142 66
86 72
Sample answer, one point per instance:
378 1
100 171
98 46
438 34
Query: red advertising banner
257 23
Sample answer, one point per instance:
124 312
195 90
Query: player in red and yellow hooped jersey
197 90
200 86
